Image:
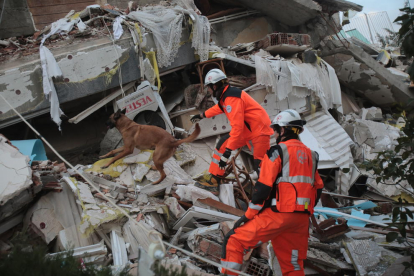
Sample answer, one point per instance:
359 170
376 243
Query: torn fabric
51 69
166 27
117 27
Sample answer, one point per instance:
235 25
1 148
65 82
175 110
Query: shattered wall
10 27
245 30
46 12
365 80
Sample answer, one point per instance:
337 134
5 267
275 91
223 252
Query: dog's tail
190 138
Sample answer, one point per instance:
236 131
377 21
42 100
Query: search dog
145 137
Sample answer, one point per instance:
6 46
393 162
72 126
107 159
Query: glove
195 118
241 220
224 158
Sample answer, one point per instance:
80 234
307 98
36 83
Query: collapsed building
151 57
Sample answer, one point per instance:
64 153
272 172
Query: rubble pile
75 215
151 60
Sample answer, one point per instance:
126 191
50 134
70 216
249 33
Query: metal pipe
231 17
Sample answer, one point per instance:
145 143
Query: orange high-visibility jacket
290 186
248 119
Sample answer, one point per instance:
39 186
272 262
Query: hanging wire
117 57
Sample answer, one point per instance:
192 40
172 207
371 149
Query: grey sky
391 6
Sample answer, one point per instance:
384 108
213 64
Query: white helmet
289 117
213 76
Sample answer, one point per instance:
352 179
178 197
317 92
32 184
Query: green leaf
345 170
378 179
402 17
403 218
403 232
409 213
395 214
405 155
391 236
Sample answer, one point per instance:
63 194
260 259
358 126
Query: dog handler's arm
212 111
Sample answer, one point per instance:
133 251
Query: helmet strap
278 129
218 91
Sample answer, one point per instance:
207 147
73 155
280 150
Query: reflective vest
294 189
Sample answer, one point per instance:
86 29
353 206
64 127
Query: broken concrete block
136 236
140 171
372 113
91 219
377 135
189 218
15 170
365 255
321 257
158 222
185 154
207 248
45 223
152 190
142 198
85 193
67 213
191 193
126 178
173 171
111 141
174 206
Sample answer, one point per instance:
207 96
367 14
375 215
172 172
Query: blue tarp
355 212
33 148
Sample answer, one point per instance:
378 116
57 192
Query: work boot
212 184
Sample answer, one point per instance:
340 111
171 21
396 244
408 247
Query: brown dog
145 137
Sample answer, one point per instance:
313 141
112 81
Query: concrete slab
15 170
357 70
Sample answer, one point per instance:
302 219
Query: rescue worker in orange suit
250 125
284 196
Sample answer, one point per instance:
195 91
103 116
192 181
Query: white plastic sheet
117 27
51 69
291 76
166 27
227 194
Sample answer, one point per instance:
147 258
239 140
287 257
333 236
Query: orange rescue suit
282 200
247 118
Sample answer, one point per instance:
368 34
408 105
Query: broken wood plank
379 231
221 206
